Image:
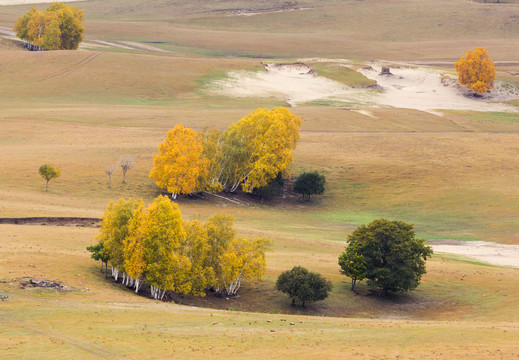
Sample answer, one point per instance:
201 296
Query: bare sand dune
492 253
418 88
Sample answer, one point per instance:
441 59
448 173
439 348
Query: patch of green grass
343 75
465 259
496 117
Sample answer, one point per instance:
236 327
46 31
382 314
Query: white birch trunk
137 285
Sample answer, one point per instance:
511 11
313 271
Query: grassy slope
40 323
402 29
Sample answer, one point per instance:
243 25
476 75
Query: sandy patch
428 89
409 87
25 2
245 12
295 85
492 253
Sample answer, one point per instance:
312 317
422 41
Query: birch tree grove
153 245
59 27
250 154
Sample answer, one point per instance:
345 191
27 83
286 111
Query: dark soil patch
34 282
59 221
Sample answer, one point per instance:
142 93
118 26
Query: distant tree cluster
387 254
153 245
476 70
250 154
59 27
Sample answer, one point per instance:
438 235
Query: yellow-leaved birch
114 229
180 161
258 147
162 235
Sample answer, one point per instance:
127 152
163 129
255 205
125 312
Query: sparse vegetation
126 163
109 170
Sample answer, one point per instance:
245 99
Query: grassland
453 176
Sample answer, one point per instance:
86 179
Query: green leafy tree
48 173
273 188
393 257
99 253
303 286
310 183
353 265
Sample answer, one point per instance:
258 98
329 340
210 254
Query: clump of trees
249 154
59 27
303 286
154 245
310 183
387 254
476 70
48 172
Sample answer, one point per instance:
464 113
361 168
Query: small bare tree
126 163
109 171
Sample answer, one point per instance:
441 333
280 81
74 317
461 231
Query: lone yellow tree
476 70
180 161
59 27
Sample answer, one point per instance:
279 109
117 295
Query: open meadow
144 66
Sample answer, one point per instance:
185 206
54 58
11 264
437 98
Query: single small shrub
303 286
310 183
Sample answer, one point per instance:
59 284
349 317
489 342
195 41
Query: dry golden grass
97 319
453 176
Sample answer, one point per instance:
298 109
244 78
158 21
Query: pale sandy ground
294 86
418 88
428 89
24 2
492 253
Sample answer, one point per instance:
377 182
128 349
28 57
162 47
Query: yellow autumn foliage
114 228
476 70
180 161
258 147
59 27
